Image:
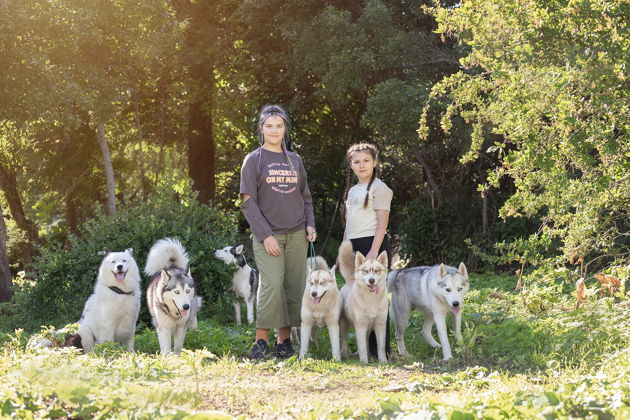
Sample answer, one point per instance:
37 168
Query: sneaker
260 350
284 350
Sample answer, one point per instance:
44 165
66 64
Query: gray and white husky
244 281
436 291
321 306
172 296
111 312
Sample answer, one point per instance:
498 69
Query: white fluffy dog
111 312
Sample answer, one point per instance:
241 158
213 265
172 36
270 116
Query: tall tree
546 84
206 47
5 273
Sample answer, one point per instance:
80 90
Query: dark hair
276 111
355 148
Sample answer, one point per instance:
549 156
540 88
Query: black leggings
363 245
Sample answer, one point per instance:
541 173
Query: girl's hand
372 255
311 234
272 246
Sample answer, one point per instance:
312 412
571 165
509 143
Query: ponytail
367 193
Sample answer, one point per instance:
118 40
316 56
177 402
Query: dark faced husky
171 296
436 291
321 306
244 280
110 314
364 299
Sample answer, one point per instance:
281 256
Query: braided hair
277 111
355 148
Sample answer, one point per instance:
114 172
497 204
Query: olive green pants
282 281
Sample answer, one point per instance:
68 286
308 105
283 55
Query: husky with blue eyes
171 297
436 291
111 312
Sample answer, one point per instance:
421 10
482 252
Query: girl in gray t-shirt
278 207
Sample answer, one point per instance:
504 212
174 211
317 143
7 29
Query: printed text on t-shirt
279 179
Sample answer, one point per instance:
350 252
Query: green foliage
64 278
558 363
212 335
549 79
447 234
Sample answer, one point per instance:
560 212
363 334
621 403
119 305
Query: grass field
523 355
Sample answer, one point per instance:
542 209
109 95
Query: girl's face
273 131
362 164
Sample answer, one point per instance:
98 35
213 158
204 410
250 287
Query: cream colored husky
364 299
321 306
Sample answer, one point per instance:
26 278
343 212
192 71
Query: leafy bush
445 234
64 278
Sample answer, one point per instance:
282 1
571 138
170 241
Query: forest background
503 130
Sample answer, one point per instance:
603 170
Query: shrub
64 278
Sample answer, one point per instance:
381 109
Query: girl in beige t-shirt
366 215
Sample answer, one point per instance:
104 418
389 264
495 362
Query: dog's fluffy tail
346 261
166 253
317 263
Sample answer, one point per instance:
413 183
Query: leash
313 257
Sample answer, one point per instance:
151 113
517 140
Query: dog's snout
372 281
314 294
119 267
455 304
186 307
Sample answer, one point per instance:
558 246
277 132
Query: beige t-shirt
361 222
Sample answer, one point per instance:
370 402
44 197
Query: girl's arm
250 209
382 219
257 222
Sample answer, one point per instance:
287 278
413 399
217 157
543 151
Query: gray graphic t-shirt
280 200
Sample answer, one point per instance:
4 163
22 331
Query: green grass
515 361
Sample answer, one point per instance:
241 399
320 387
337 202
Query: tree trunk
5 274
109 169
484 213
143 183
8 183
433 185
201 149
71 213
434 188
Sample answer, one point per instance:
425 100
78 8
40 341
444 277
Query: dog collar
120 291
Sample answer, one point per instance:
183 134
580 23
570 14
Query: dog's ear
462 270
382 258
189 274
332 271
106 252
239 249
129 251
358 259
442 270
165 276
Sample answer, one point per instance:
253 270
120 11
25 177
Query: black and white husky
171 297
111 312
244 281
